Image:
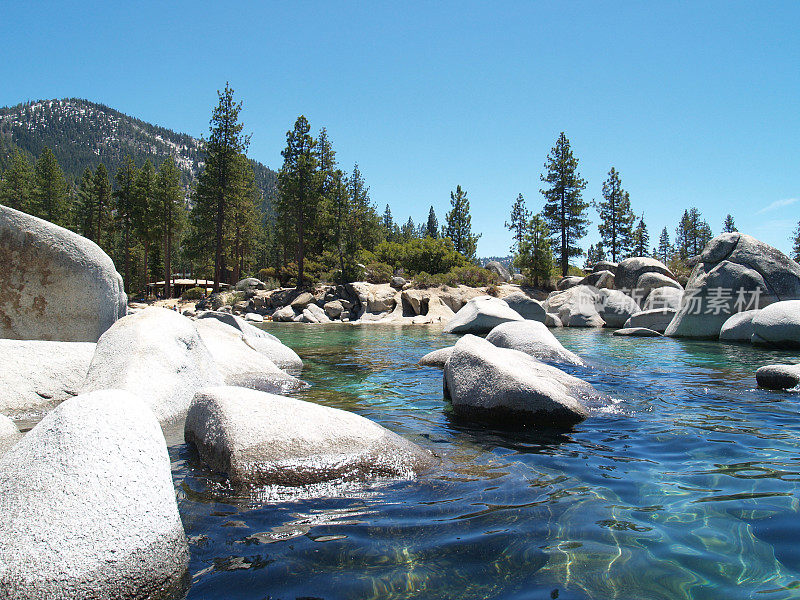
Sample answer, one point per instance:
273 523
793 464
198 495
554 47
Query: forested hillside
84 134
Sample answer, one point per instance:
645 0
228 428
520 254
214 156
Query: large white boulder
374 298
664 297
9 434
481 315
54 284
36 374
739 327
241 361
616 307
533 338
499 269
735 272
648 282
499 384
314 314
778 325
259 438
88 506
158 355
657 320
284 315
630 270
577 306
526 306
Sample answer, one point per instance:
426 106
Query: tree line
321 224
545 242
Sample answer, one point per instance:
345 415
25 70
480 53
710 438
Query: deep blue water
685 487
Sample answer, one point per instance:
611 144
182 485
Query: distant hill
83 134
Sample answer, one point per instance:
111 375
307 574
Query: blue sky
695 104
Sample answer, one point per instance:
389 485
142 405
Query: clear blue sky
696 104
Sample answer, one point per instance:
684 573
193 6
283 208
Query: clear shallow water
687 487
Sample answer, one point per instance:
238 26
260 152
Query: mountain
83 134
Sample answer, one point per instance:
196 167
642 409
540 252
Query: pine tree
459 225
564 209
144 214
535 258
169 211
729 226
664 247
101 206
591 258
242 223
216 183
641 239
409 230
387 222
51 190
84 209
699 232
616 217
299 189
683 236
124 197
16 186
796 244
432 226
520 219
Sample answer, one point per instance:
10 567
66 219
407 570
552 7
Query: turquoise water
687 486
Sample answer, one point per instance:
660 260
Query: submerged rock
259 438
735 272
778 377
89 507
9 434
244 361
778 325
37 374
54 284
481 315
533 338
499 384
638 332
527 307
437 358
739 327
156 354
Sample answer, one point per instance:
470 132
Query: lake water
687 486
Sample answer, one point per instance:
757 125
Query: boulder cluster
87 498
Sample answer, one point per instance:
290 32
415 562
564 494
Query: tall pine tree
169 210
432 225
664 247
729 226
518 224
564 209
51 199
459 225
299 189
101 207
17 184
535 257
616 217
217 183
124 197
641 239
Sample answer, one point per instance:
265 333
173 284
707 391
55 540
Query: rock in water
499 384
437 358
577 306
89 506
499 269
637 332
778 377
527 307
241 362
54 284
630 270
735 273
37 374
9 434
739 327
481 315
616 307
664 297
158 355
533 338
260 438
657 320
778 325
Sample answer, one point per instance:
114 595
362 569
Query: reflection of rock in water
303 523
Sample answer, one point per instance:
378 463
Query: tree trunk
126 283
146 276
167 263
